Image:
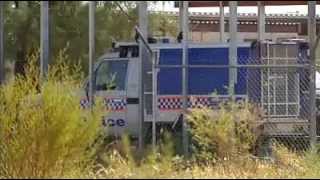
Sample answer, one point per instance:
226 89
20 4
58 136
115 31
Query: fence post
92 6
261 21
44 42
221 9
2 68
143 26
312 40
185 27
233 29
180 16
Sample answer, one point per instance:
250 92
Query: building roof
240 15
243 3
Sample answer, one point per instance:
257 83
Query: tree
115 20
22 30
163 25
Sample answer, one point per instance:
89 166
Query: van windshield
111 75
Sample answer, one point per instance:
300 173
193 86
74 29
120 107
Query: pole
185 27
233 46
44 42
154 99
261 21
180 16
92 6
2 68
312 40
143 26
221 21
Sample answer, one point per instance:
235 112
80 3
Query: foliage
44 132
230 130
115 21
163 25
22 32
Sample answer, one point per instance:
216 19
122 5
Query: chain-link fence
273 76
276 76
277 80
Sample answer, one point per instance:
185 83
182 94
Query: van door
133 100
111 84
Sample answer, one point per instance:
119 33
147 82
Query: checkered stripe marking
115 104
175 103
112 104
171 103
198 102
84 103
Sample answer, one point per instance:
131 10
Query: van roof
196 45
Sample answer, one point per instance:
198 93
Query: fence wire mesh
274 77
280 87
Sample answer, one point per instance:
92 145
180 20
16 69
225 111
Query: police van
116 80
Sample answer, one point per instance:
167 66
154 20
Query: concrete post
312 43
261 21
44 40
185 27
143 26
92 7
222 38
233 46
2 63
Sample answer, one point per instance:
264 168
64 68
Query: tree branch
125 13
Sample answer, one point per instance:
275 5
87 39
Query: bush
228 131
44 132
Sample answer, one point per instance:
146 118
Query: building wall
197 36
206 28
249 26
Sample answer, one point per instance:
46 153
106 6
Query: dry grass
287 165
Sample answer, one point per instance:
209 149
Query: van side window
123 52
135 51
111 75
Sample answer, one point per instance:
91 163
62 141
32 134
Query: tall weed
44 132
230 130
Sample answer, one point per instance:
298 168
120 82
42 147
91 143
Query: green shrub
44 132
228 131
